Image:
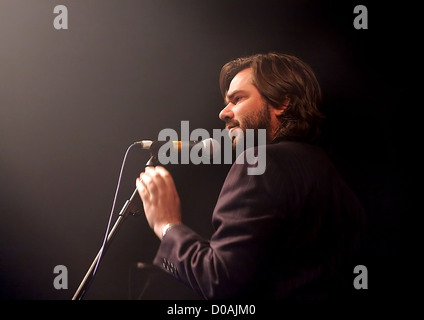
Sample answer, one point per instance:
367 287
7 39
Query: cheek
243 110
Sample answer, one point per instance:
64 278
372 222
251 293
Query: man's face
245 107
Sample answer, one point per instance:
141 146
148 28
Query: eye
237 99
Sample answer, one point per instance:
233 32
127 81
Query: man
288 233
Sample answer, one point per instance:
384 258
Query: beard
260 119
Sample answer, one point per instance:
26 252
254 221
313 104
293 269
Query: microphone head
211 148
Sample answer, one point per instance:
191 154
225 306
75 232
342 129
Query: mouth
234 132
231 129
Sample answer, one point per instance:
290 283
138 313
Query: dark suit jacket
284 234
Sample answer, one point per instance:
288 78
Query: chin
234 143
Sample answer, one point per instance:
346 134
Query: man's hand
160 198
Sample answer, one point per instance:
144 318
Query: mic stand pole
130 207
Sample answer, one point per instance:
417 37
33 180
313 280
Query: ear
278 111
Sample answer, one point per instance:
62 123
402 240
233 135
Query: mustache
231 123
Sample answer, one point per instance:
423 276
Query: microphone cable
100 254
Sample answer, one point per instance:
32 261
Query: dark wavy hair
280 77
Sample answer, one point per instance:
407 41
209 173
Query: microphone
210 147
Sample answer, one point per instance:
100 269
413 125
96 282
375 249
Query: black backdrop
72 101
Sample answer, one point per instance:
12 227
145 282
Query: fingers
141 187
154 182
166 178
160 198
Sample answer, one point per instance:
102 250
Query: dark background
72 102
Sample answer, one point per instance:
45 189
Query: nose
227 113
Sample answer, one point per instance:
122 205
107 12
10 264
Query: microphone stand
132 206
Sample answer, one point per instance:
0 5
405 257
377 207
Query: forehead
241 80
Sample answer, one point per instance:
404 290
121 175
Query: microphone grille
211 148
